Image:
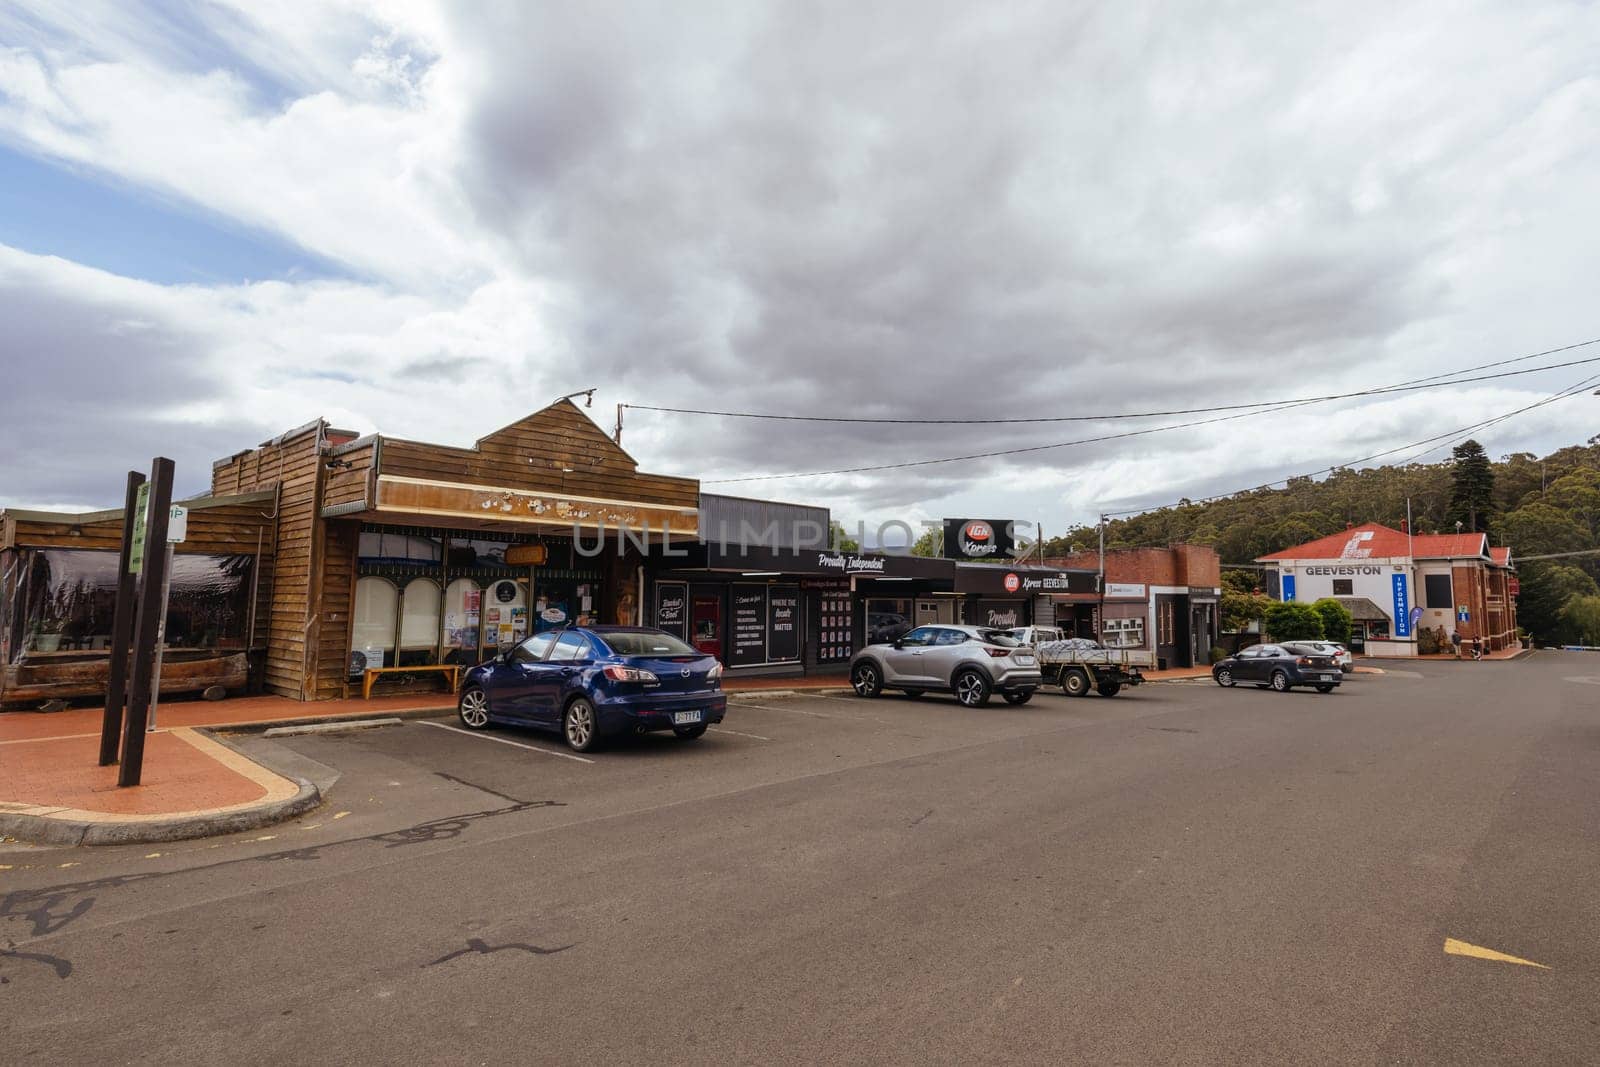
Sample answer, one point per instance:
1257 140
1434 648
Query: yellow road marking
1452 947
341 814
153 856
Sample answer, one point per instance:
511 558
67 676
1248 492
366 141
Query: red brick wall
1196 565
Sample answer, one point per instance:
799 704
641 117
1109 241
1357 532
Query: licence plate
685 718
1023 661
1330 677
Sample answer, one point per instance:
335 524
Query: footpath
195 783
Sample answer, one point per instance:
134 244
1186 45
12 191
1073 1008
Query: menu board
749 645
783 624
672 609
834 629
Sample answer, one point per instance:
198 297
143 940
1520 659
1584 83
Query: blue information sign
1288 587
1402 607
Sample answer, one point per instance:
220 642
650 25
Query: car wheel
1224 677
972 688
913 694
689 733
1109 689
1324 688
1075 683
1018 696
580 727
473 709
866 680
1280 681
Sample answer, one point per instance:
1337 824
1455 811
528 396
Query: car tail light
997 653
714 673
1304 661
630 674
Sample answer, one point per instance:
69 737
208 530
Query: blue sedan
595 682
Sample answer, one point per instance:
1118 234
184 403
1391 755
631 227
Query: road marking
1452 947
501 740
786 711
1583 679
736 733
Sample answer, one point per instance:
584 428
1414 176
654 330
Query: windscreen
645 643
1002 638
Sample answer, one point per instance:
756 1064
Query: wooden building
378 551
58 582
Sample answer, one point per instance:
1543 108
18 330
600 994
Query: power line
1430 382
1444 440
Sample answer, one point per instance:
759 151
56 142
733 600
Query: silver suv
970 661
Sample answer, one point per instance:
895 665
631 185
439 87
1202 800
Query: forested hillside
1537 506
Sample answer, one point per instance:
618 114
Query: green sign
136 554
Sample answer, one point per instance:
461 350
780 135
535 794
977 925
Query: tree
1241 607
1546 589
1581 616
929 544
1471 487
838 540
1290 621
1336 620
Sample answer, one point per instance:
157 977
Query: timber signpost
141 590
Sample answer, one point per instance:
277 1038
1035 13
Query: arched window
372 635
463 613
419 622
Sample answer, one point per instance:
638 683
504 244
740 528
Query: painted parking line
502 741
786 711
736 733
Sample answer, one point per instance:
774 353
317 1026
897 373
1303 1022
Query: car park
592 683
973 662
1279 667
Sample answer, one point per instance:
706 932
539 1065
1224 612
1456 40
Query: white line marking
501 740
786 711
736 733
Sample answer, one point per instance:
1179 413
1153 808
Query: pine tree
1471 487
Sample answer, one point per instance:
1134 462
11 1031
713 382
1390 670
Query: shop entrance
936 610
705 620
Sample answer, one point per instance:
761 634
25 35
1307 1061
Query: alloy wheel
969 689
580 725
475 709
1224 677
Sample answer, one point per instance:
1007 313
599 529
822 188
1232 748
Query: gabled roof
1501 556
1374 540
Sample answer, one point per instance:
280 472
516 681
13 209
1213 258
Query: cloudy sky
222 220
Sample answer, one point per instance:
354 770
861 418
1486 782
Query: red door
705 623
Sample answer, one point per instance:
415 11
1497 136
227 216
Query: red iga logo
1013 583
977 539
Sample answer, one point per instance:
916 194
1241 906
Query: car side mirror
897 643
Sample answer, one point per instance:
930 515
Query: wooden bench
370 676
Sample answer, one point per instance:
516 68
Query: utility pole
1100 583
618 435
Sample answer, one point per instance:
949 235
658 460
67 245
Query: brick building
1395 583
1163 600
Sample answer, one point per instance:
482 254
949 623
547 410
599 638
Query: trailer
1078 665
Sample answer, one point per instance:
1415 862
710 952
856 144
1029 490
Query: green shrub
1218 654
1427 642
1290 621
1336 620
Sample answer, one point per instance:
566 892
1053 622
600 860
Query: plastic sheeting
63 600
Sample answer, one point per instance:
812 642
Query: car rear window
999 637
646 644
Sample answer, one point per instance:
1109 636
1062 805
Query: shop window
1438 591
385 546
505 615
463 613
372 634
1344 587
419 623
887 619
65 600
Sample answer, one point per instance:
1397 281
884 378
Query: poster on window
749 644
783 624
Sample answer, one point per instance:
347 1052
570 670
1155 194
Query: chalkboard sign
749 644
672 609
783 624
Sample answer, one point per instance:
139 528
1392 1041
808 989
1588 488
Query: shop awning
1363 610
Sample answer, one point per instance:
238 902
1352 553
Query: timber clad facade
369 551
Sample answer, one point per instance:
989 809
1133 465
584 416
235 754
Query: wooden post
152 577
121 630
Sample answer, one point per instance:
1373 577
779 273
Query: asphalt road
1179 874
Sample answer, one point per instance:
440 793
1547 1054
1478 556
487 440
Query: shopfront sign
556 511
783 624
977 579
1001 614
848 564
1402 606
527 555
978 539
749 626
672 609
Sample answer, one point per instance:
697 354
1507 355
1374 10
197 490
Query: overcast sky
222 220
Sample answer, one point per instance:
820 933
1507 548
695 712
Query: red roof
1501 556
1374 540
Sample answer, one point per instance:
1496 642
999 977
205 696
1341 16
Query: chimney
1403 528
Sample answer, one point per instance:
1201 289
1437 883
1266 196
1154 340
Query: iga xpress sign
977 538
